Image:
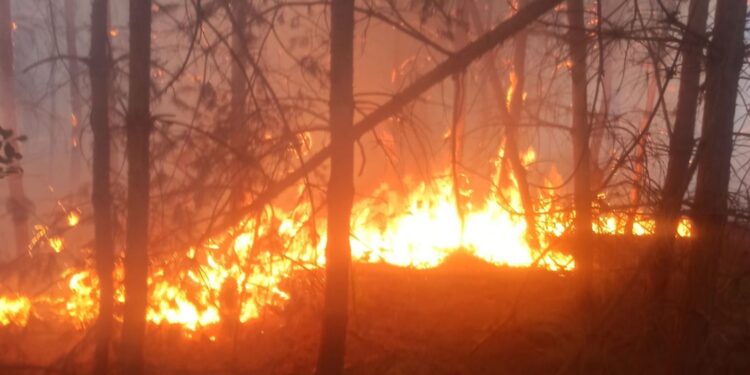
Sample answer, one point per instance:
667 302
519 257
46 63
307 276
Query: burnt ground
464 317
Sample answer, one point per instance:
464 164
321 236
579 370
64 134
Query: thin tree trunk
75 91
340 190
511 116
725 59
640 151
239 40
99 71
680 146
457 141
19 205
581 155
459 116
238 86
138 127
512 136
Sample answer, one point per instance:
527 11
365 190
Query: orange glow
14 310
56 243
239 273
73 218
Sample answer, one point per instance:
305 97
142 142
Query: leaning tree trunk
340 190
723 66
18 204
138 127
459 116
99 72
512 135
680 146
75 91
580 133
510 114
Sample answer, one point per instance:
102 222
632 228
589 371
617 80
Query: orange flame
237 274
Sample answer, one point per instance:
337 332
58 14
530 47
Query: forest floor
464 317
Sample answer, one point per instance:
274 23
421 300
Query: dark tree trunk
239 88
340 190
18 205
138 124
75 90
580 133
680 146
99 70
725 58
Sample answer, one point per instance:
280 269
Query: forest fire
237 274
355 187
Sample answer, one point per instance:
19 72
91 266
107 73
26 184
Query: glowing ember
14 310
56 243
73 218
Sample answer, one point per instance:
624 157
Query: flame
14 310
56 243
236 276
511 88
82 303
685 228
73 218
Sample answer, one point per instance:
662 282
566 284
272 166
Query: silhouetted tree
99 72
680 144
725 58
580 133
138 124
340 190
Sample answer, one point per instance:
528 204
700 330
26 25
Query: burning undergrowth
257 275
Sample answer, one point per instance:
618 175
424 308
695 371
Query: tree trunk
238 88
75 91
510 114
459 115
680 146
724 63
18 205
138 127
239 47
340 190
457 141
640 151
512 136
581 159
99 70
